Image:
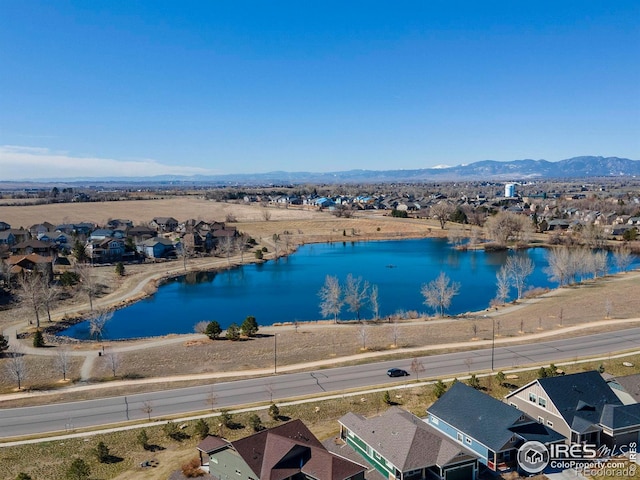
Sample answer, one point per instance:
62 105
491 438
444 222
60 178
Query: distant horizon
209 88
195 176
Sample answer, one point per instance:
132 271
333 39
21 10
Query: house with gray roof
157 247
400 445
583 407
492 429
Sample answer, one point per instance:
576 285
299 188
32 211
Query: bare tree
241 246
560 265
97 321
17 367
474 329
505 227
374 302
355 294
266 214
30 292
276 245
88 282
331 295
442 212
598 261
147 408
622 258
212 399
185 252
608 308
113 360
593 236
417 367
63 360
49 295
504 285
439 292
363 334
395 331
226 247
519 267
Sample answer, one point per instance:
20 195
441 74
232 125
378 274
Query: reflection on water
287 290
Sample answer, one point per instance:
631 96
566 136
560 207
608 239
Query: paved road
69 416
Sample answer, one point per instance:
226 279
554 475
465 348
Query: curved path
92 413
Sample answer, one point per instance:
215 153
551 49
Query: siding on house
481 450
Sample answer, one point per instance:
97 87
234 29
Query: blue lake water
287 290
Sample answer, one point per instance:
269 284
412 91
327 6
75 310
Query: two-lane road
91 413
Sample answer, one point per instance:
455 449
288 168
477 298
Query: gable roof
580 397
405 440
478 415
274 454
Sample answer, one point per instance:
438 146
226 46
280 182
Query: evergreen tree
474 382
38 339
255 423
439 388
4 343
500 378
102 452
274 412
213 330
143 439
78 470
79 252
201 428
249 327
386 398
120 269
233 332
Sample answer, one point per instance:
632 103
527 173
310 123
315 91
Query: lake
287 290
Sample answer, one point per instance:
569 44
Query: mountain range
571 168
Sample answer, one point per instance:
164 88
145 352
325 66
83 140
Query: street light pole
493 339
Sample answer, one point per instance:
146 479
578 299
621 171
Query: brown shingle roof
275 454
211 443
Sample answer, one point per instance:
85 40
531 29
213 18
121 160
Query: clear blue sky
152 87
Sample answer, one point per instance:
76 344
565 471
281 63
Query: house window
540 420
459 437
434 420
213 460
513 404
542 402
468 440
532 397
550 423
238 472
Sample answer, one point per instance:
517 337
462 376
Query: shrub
102 452
192 469
226 418
23 476
69 279
439 388
201 428
171 430
474 382
78 470
259 254
120 269
255 423
201 327
143 439
274 412
4 343
386 398
500 377
38 339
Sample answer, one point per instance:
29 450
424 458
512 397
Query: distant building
510 190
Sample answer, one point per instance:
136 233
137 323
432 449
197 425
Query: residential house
488 427
286 452
31 263
20 234
401 446
33 246
7 237
582 407
119 224
107 250
633 221
141 233
4 226
41 228
157 247
164 224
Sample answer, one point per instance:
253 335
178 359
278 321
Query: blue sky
117 88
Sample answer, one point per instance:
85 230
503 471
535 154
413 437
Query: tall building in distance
510 190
